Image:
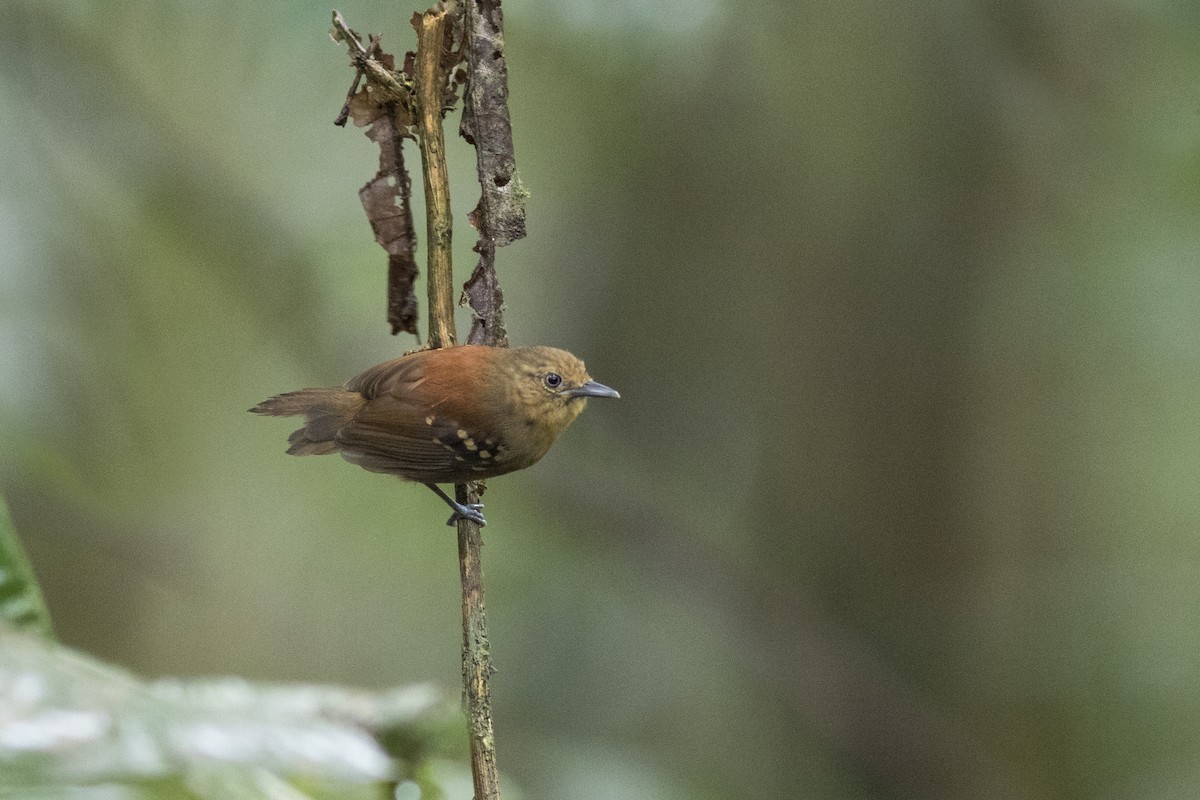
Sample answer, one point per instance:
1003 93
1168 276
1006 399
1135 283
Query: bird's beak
592 389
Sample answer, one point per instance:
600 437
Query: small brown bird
451 415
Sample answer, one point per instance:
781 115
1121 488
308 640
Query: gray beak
592 389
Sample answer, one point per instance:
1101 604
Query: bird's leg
471 511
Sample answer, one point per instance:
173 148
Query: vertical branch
500 215
476 650
431 34
476 655
500 219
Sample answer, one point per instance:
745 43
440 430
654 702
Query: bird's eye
553 380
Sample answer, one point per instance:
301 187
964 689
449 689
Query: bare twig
372 51
342 32
431 34
476 658
500 219
476 654
383 79
344 114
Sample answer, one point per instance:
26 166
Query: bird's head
549 387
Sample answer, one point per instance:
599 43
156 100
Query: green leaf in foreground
21 604
72 725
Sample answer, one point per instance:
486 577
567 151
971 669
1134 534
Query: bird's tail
324 410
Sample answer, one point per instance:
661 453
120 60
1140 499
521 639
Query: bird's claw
472 512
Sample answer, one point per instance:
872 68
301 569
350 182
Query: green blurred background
902 299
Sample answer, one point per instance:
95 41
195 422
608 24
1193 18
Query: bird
449 415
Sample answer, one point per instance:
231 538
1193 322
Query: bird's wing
391 376
408 427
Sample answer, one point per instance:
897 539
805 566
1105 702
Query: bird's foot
472 512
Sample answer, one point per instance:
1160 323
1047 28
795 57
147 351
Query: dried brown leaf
364 109
387 200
